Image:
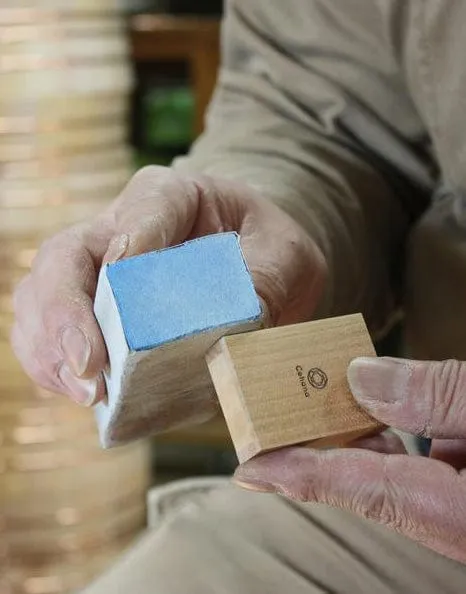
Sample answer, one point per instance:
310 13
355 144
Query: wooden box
287 385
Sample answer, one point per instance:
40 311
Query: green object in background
141 159
168 117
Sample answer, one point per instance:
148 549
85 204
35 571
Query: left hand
56 336
422 498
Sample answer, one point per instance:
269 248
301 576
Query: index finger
421 498
61 341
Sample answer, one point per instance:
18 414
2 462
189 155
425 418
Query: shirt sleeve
311 109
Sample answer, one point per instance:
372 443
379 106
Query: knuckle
208 189
380 508
150 173
145 185
443 386
302 490
319 491
50 312
382 505
155 179
149 182
46 256
63 310
44 359
158 200
448 377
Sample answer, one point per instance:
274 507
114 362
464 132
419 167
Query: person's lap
224 539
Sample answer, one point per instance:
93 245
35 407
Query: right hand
56 336
423 498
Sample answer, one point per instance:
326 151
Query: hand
56 336
422 498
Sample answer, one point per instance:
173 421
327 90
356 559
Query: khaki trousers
208 536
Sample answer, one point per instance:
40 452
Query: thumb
156 209
425 398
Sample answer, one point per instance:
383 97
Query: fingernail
85 392
256 486
116 249
378 380
76 349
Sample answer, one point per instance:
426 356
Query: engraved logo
317 378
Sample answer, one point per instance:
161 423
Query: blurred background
90 90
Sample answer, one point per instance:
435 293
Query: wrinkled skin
59 344
422 498
56 336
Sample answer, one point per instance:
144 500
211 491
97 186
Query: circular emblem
317 378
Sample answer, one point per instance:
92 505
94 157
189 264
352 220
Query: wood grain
283 386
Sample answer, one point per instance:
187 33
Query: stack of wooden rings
67 508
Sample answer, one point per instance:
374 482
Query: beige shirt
351 115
